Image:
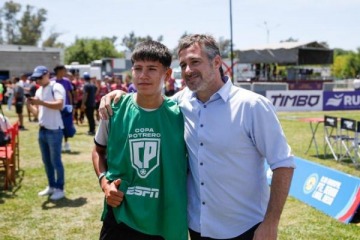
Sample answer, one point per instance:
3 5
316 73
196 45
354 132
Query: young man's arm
113 195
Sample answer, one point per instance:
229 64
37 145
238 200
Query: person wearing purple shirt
60 72
130 86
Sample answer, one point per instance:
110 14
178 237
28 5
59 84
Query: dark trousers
248 235
111 230
89 112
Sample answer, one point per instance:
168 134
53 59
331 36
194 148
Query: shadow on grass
64 203
11 192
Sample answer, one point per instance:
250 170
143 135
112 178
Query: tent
288 53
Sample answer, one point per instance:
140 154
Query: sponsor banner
335 193
341 100
296 100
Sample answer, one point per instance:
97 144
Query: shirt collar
223 92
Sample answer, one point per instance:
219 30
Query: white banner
296 100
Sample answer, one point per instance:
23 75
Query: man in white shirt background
47 103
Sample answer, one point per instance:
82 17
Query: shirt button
201 125
202 183
203 203
201 144
201 163
204 106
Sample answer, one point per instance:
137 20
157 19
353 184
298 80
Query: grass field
24 215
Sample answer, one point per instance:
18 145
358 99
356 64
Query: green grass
24 215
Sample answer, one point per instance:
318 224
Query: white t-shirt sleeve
59 92
101 136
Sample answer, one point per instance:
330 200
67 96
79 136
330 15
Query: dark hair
151 51
207 42
59 67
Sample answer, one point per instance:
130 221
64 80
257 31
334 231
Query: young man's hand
113 195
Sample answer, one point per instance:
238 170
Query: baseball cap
86 75
39 71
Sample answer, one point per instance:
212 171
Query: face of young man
148 77
196 68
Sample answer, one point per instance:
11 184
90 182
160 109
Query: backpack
67 118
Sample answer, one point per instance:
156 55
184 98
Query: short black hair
59 67
152 51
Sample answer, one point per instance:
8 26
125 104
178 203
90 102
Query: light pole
231 43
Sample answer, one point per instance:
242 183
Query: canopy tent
295 53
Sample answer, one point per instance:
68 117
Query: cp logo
144 155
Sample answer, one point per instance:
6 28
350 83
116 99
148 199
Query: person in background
19 101
60 73
170 87
9 94
230 132
78 96
129 84
118 84
47 103
101 90
88 102
139 153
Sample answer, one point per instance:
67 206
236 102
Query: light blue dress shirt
228 139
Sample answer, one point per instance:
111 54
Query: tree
51 41
86 50
31 26
130 41
26 30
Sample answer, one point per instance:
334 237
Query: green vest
146 150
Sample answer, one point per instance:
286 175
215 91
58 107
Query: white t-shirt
50 118
4 123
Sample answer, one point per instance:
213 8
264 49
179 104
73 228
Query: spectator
60 72
88 103
9 94
47 103
19 101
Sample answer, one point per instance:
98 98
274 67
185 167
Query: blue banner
330 191
341 100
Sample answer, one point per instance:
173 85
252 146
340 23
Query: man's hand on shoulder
105 110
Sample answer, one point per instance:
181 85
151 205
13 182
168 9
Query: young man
229 133
141 165
48 101
60 73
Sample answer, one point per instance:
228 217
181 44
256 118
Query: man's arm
280 186
113 195
56 104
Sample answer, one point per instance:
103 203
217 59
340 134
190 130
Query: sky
254 22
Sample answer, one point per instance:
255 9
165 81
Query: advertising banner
341 100
335 193
296 100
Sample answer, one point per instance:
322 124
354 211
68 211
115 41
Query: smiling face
149 76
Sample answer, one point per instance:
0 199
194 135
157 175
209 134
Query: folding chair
331 136
347 138
16 143
7 157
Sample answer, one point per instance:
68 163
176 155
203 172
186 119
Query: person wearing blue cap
48 101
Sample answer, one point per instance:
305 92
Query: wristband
101 176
